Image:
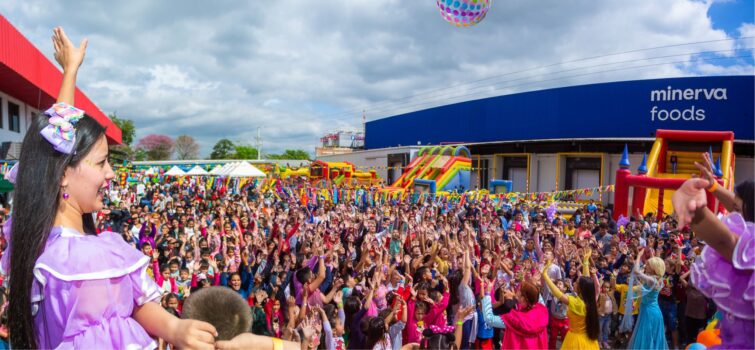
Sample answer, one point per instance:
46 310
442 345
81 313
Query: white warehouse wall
6 135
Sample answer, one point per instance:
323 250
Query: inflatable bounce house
498 186
669 164
335 172
436 169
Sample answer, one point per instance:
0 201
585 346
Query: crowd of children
412 265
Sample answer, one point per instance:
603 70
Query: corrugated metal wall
609 110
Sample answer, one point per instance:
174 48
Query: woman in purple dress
70 288
724 271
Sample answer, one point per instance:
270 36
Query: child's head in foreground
221 307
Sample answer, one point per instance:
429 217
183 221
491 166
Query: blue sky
729 15
299 69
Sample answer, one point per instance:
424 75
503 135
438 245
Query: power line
444 95
450 99
444 98
541 67
372 106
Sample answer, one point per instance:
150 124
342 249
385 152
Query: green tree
128 130
222 149
245 152
290 154
119 153
140 154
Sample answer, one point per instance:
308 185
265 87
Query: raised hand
463 313
308 328
706 169
689 198
489 287
68 55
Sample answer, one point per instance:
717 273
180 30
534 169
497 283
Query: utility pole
364 127
258 140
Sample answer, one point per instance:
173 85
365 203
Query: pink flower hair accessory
442 329
60 131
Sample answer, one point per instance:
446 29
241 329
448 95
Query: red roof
26 74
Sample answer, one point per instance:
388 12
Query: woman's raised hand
67 55
706 169
689 198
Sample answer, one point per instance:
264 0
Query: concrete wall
744 169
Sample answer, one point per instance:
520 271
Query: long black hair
37 196
375 332
437 341
454 282
351 307
745 191
587 293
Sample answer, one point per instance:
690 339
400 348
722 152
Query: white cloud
271 102
747 30
298 69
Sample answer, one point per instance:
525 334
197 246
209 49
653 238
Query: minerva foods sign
662 112
624 109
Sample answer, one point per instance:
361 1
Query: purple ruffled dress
731 285
85 290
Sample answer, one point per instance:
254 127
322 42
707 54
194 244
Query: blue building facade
618 110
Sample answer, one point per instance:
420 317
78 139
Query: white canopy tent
175 171
226 169
197 171
244 169
150 171
216 169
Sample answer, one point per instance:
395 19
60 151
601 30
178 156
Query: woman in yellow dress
584 326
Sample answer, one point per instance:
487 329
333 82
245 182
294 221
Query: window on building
2 107
14 117
480 167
